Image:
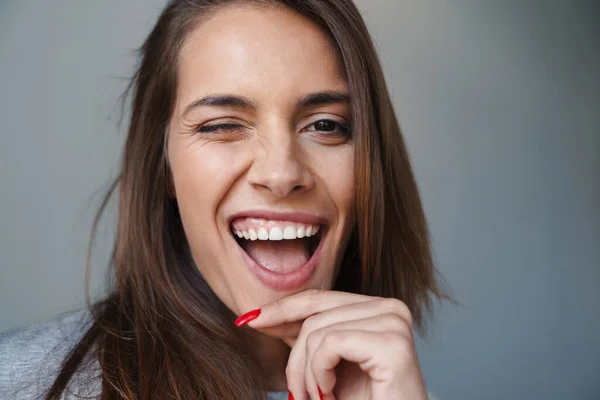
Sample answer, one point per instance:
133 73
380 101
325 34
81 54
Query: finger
378 315
328 354
377 353
296 367
355 312
294 374
385 324
309 378
302 305
339 314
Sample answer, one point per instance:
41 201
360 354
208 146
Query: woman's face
259 147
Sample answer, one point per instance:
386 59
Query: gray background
499 102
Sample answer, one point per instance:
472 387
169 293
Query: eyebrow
228 101
233 101
323 98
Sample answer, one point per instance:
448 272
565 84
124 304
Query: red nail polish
290 396
320 392
249 316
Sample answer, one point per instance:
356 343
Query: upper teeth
285 231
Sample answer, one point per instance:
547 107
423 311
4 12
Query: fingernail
290 396
249 316
320 392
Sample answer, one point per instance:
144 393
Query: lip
291 281
296 278
300 217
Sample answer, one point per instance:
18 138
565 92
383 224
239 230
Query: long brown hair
162 333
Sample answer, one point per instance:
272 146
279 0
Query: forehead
259 50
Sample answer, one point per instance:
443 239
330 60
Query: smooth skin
273 152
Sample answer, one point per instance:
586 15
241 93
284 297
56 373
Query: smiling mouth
277 246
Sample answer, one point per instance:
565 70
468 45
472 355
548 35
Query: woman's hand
347 346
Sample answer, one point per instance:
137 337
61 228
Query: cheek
202 174
338 176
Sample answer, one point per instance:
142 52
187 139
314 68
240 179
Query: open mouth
281 247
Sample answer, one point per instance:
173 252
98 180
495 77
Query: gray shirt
30 359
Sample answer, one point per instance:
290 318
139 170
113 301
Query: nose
277 167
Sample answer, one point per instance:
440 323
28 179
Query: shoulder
30 358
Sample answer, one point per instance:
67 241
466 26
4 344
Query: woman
270 234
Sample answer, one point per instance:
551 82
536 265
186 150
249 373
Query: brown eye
329 127
325 125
